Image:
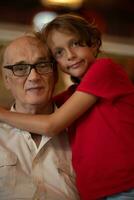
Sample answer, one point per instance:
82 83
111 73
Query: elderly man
33 166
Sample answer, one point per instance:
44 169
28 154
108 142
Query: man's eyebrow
42 59
20 62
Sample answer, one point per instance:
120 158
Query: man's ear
6 81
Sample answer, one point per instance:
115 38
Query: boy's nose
70 54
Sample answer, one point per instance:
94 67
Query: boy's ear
56 73
95 50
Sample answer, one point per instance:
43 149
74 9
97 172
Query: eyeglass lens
25 69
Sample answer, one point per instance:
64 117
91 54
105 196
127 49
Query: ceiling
114 16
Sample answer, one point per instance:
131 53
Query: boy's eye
58 53
75 43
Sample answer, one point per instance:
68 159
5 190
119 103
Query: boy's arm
54 123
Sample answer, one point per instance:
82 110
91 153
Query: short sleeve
63 96
106 79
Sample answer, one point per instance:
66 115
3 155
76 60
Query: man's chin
37 101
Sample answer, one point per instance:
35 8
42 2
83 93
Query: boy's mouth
75 65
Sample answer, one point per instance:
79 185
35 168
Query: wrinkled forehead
26 49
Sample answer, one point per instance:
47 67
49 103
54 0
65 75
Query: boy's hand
2 112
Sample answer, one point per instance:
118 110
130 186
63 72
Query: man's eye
41 65
20 67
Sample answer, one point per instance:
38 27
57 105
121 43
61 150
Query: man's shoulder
5 128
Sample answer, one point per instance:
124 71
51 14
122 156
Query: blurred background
115 19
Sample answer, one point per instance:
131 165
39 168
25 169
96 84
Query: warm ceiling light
66 3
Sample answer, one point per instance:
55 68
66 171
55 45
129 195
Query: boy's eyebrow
57 48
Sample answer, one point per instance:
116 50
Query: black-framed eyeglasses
25 69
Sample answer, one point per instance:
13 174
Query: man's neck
32 109
36 138
35 109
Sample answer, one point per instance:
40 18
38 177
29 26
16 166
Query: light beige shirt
31 173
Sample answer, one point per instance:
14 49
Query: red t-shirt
103 142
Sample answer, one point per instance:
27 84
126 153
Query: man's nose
33 75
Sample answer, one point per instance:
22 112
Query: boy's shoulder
104 61
102 64
63 96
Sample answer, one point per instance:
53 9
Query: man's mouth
34 88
